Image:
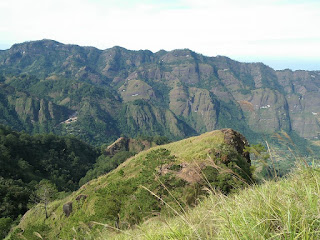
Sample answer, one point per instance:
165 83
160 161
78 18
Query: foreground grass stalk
175 211
283 209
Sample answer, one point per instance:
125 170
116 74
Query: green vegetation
62 160
50 88
14 199
158 140
32 165
151 120
45 192
286 209
23 111
144 186
26 160
105 164
5 225
120 92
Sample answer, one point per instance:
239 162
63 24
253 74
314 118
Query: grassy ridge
286 209
130 194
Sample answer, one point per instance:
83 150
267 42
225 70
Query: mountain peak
37 43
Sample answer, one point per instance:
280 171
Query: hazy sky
280 33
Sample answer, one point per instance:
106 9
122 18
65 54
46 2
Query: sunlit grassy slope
131 194
286 209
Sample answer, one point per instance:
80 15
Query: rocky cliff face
24 111
301 89
177 93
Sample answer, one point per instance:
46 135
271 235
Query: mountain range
99 95
103 95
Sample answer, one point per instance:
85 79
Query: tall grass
284 209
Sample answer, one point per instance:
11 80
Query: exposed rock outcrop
128 144
81 197
67 209
192 172
237 141
121 144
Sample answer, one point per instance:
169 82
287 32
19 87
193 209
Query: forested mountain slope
100 94
26 160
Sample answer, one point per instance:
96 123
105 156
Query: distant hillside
145 186
100 95
24 111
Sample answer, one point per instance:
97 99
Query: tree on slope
45 192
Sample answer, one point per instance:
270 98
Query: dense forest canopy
26 160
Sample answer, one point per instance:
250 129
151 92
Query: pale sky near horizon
280 33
